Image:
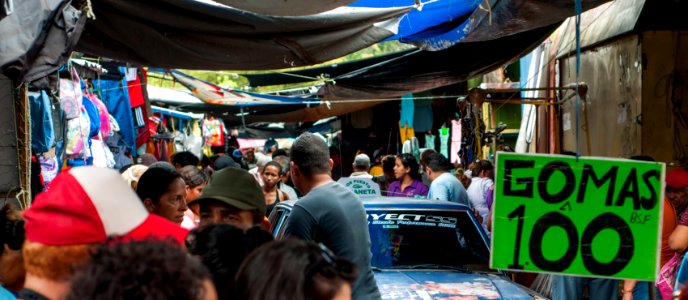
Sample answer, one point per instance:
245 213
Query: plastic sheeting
285 7
37 38
213 94
188 34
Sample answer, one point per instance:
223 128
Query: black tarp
188 34
427 70
285 7
37 38
329 71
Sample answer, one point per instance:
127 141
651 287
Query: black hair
425 156
274 164
218 149
155 182
206 161
388 163
11 231
185 158
298 270
482 165
222 248
408 161
279 152
310 153
437 162
139 270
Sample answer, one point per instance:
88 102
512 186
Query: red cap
88 205
677 178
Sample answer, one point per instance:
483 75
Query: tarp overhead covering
285 7
189 34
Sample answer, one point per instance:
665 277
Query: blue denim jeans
641 292
572 288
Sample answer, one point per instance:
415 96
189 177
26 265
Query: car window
411 238
278 221
283 225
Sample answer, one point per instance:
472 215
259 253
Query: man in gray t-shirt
330 213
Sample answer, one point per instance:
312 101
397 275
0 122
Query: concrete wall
665 97
613 74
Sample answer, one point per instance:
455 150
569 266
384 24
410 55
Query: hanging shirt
214 132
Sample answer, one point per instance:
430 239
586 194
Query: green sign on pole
594 217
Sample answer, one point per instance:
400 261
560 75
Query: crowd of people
433 177
198 228
186 229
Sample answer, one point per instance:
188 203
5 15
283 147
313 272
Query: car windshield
426 239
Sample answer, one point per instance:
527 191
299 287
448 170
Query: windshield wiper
435 267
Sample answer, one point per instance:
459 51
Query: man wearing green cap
232 196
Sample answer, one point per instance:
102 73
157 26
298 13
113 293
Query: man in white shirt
361 167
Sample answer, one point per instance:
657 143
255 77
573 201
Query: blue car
427 249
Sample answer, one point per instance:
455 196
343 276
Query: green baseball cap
234 187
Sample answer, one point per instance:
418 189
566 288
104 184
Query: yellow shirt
376 170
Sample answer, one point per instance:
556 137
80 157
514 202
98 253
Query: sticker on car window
388 220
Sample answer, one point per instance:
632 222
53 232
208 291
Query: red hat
677 178
87 205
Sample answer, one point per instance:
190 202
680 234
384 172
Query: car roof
401 203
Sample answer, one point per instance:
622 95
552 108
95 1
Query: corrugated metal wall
613 74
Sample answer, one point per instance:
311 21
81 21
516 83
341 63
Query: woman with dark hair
222 248
195 180
481 185
163 192
272 175
298 270
408 177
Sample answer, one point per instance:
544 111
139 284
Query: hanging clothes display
115 94
444 141
193 141
455 142
214 132
70 95
406 130
49 168
104 115
42 131
430 141
422 115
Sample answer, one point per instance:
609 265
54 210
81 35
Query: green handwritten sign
593 217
